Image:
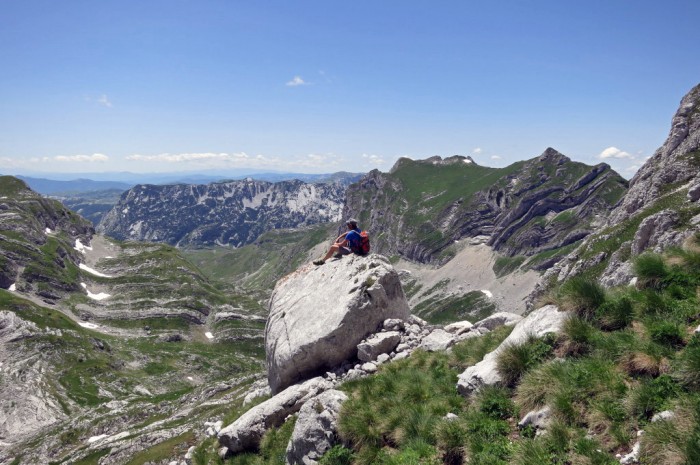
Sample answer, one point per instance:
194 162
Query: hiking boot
338 255
319 262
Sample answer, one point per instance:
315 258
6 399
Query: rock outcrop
230 213
246 432
318 315
545 320
673 164
315 430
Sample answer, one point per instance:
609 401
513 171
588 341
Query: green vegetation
506 265
471 306
10 186
172 447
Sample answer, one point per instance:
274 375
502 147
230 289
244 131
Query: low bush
650 270
582 296
514 361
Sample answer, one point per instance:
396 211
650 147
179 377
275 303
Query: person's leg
334 248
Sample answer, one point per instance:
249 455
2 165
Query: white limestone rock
459 327
319 314
380 343
547 319
438 340
538 419
315 430
394 324
246 432
496 320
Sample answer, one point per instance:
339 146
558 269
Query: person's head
351 223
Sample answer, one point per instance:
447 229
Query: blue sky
319 86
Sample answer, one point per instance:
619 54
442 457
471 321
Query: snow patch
96 438
209 335
100 296
467 161
80 247
87 325
487 293
12 288
190 378
48 231
83 266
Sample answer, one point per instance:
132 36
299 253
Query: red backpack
364 243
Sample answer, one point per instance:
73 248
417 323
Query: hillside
231 213
420 208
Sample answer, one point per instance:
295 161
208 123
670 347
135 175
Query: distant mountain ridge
231 213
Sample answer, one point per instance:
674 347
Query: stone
450 417
438 340
380 343
666 415
538 419
246 432
633 456
382 358
315 430
694 192
459 327
415 320
319 314
369 367
496 320
547 319
394 324
401 356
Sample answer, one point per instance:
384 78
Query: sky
322 86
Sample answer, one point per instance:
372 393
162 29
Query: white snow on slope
80 247
83 266
12 288
209 335
87 325
48 231
100 296
487 293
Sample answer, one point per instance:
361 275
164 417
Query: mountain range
137 342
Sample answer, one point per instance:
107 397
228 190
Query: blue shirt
354 240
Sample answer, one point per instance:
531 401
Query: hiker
353 241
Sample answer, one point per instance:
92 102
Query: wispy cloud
297 81
495 157
614 152
104 101
373 160
190 157
95 157
477 151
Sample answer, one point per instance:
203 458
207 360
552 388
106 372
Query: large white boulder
315 430
319 314
547 319
246 432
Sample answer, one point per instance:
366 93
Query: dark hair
351 222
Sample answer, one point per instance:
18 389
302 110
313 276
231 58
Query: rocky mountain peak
552 156
673 164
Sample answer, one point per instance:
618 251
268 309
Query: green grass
173 447
92 458
471 306
506 265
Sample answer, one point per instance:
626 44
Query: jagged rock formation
673 164
420 208
37 242
660 209
231 213
318 315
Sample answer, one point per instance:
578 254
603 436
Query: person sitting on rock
345 244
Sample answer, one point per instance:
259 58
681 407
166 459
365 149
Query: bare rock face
315 431
655 231
318 315
545 320
673 163
246 432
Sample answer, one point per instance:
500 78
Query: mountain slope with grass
420 208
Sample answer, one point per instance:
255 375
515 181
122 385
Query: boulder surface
319 314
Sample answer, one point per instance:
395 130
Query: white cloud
495 157
95 157
190 157
297 81
477 151
614 152
373 160
104 101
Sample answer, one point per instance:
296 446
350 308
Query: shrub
337 455
576 336
515 360
666 334
651 396
615 314
582 296
650 270
495 402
